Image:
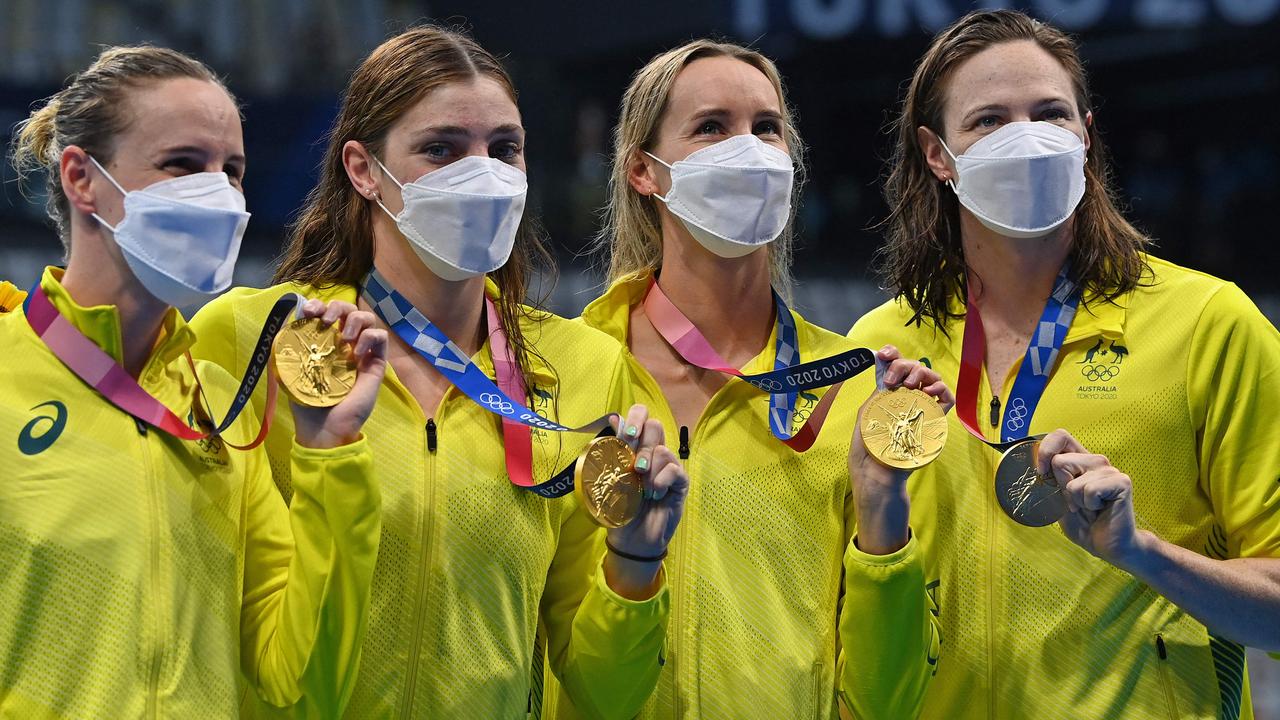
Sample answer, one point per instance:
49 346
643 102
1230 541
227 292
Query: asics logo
495 402
44 429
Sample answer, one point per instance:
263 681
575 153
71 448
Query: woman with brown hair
1016 273
149 566
706 164
418 217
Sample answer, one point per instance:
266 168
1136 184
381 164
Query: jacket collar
101 323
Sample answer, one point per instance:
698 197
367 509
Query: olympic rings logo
768 385
497 404
1099 373
1017 414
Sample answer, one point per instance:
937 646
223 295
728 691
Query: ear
641 174
935 156
361 169
1088 125
77 179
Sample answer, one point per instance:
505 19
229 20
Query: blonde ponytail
88 113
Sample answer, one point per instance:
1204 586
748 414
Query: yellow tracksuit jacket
140 574
1178 383
762 623
470 565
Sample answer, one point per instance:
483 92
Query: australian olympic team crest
1100 370
212 449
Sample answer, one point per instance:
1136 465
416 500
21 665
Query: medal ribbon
101 372
498 398
1033 375
789 374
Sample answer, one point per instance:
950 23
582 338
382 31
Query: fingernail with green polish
642 464
632 430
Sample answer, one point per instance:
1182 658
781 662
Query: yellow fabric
470 564
143 573
755 568
1178 384
10 296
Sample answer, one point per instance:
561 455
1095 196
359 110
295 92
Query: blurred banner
281 45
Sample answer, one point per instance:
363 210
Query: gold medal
314 364
1025 495
606 484
904 428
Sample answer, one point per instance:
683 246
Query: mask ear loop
954 160
655 157
378 198
107 175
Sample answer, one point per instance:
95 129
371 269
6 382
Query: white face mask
733 196
461 220
181 236
1023 180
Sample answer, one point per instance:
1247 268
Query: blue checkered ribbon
782 406
432 344
1042 355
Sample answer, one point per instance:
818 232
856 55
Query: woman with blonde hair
148 563
707 164
418 217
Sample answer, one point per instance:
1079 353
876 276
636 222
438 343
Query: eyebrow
458 131
985 108
721 112
1004 108
202 152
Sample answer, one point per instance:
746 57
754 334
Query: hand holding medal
330 361
634 485
903 424
1096 499
901 427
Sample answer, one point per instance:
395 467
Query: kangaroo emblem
1088 356
1121 352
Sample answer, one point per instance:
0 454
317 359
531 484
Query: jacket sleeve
890 635
1233 390
605 650
307 575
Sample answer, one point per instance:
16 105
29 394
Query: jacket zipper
675 656
1162 661
157 643
992 529
424 569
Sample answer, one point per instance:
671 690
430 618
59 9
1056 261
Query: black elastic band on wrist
629 556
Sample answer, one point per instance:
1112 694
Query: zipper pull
995 411
1160 648
142 427
431 435
684 442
